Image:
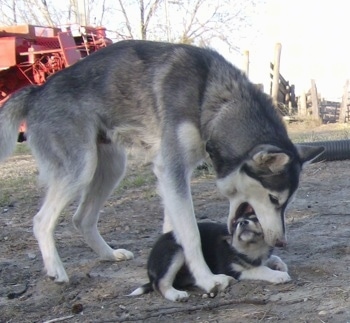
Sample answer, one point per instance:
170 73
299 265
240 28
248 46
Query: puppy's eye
273 199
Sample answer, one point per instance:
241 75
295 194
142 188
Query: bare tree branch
128 25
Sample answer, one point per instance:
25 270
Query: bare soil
318 254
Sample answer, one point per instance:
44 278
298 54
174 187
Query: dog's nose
244 223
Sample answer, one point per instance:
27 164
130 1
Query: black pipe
334 150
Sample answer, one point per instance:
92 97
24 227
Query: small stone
322 313
31 255
77 308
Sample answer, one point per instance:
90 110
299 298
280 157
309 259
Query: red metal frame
30 54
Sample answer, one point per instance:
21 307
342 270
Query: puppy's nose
244 223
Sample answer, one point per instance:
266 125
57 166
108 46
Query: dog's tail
144 289
12 114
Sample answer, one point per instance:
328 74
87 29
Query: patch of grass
18 188
22 149
5 199
317 136
204 170
136 181
304 132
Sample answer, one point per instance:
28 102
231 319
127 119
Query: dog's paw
276 263
175 295
122 254
55 271
58 276
215 283
280 277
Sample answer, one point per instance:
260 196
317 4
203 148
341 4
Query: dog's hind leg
43 226
165 284
110 169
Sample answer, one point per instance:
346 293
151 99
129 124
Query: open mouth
246 225
244 210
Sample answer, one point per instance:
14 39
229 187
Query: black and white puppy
242 255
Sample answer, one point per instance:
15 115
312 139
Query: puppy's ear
308 153
269 159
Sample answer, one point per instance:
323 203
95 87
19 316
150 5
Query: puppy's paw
215 283
280 277
175 295
122 254
276 263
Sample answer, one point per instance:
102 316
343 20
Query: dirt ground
318 255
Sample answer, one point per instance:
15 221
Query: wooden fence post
344 103
302 105
276 74
246 62
314 100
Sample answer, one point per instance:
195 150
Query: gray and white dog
180 103
243 254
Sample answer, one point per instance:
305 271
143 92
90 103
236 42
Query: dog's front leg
265 273
176 194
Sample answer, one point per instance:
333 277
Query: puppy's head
248 236
247 230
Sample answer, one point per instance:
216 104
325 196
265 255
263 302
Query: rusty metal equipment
29 54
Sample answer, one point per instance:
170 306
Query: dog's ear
309 153
269 159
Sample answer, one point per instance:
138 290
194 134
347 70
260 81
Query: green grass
326 135
18 184
22 149
21 187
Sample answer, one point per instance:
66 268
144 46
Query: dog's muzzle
244 210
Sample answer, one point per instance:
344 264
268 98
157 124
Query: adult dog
243 254
178 102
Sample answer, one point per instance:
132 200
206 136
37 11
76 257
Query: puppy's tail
12 114
144 289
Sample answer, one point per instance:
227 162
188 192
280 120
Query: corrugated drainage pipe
334 150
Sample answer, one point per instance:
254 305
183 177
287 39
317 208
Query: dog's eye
273 199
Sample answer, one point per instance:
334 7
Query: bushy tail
12 113
144 289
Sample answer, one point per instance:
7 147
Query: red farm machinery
30 54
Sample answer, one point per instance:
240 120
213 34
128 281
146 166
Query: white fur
240 188
137 292
276 263
166 283
274 271
265 273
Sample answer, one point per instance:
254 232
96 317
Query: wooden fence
312 105
285 98
307 105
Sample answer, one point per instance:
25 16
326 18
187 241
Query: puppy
242 255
